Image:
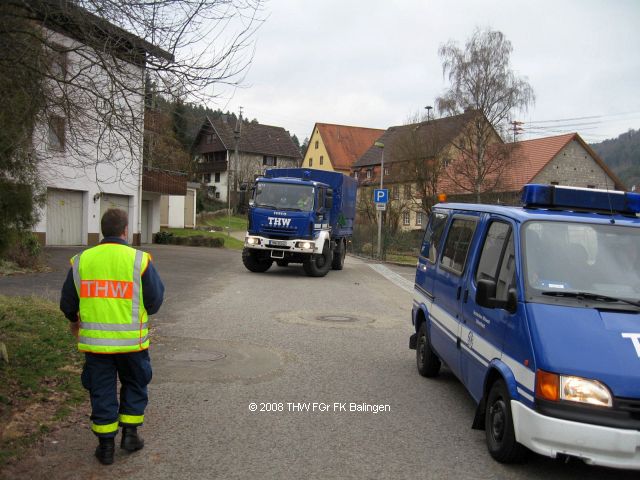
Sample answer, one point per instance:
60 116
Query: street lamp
380 145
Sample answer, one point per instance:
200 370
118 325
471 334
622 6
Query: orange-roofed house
560 160
337 147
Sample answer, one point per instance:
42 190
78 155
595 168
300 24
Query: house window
591 186
555 183
406 218
419 219
395 192
355 174
310 161
58 62
369 173
407 191
56 133
218 195
217 177
269 161
321 160
206 178
386 170
316 144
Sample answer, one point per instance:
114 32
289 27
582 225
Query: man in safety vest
108 294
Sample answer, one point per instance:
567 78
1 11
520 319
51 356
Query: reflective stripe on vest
117 333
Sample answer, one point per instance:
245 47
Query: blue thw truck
300 215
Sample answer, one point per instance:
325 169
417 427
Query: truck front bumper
594 444
293 246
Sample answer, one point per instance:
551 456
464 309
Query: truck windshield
284 196
585 261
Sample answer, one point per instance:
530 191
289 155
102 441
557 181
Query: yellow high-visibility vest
108 279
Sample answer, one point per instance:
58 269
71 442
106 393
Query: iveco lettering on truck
299 215
536 309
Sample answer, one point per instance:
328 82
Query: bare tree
91 58
484 85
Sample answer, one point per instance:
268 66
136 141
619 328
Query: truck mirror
252 202
486 293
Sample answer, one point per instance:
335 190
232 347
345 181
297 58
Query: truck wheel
498 422
428 362
254 261
338 256
318 265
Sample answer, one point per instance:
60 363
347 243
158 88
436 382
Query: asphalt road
227 338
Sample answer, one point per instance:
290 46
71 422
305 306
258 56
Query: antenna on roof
517 129
606 185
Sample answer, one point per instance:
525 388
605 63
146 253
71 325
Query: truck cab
536 310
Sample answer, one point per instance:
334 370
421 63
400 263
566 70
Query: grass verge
229 242
41 381
237 222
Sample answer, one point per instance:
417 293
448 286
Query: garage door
113 201
64 217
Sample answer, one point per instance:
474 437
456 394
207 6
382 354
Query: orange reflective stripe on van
106 289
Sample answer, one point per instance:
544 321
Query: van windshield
284 196
562 258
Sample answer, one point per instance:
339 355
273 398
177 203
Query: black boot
105 450
130 439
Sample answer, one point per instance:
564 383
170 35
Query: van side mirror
486 296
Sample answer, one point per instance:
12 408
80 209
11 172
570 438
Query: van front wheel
427 361
501 438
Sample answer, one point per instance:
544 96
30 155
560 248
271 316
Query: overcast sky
373 63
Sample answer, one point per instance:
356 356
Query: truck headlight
550 386
253 240
305 245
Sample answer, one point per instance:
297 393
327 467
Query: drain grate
337 318
198 356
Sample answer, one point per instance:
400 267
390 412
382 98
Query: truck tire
427 362
338 256
254 261
501 439
318 265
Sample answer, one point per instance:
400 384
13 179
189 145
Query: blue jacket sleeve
69 301
152 289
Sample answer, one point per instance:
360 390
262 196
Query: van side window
497 261
432 236
457 245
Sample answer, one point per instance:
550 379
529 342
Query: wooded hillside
622 154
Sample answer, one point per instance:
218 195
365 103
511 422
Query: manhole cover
337 318
198 356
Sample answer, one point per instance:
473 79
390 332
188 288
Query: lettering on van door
635 339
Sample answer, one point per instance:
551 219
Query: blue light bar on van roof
555 196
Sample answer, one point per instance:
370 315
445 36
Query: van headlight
253 241
305 245
550 386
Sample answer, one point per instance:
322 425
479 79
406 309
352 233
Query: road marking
393 277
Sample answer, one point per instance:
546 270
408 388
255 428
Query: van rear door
448 284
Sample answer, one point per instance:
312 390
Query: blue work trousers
100 376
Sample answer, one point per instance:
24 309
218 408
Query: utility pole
236 137
380 145
517 129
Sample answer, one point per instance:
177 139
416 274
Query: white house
90 156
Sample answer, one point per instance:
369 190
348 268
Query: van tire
498 422
427 361
338 255
318 265
255 261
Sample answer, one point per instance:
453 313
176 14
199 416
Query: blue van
536 309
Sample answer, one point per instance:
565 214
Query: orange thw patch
106 289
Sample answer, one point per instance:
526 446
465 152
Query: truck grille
282 232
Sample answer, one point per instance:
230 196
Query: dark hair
113 222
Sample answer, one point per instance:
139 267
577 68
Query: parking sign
381 195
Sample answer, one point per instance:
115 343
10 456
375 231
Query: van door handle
458 293
466 295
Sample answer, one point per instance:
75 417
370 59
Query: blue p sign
381 195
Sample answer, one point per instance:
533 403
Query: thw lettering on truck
279 222
106 289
